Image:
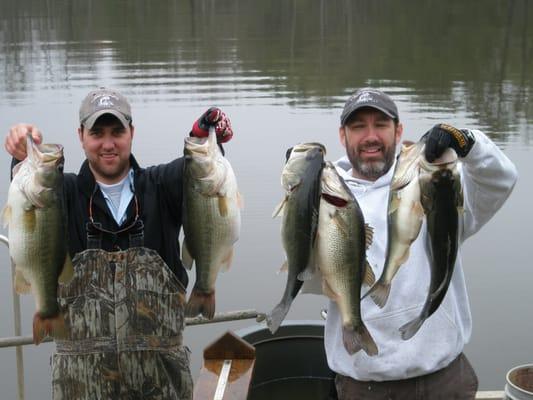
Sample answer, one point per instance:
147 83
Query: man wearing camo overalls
125 305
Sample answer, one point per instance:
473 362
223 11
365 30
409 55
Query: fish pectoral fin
29 220
223 207
279 209
310 270
186 257
226 262
394 203
369 278
328 291
240 201
369 236
6 215
22 286
341 224
418 210
67 273
307 274
284 267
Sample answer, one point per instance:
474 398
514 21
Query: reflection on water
283 69
476 56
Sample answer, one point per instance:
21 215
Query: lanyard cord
98 226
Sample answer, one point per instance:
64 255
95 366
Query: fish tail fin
201 303
53 326
411 328
276 316
379 293
357 338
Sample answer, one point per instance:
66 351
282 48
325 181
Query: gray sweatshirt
488 177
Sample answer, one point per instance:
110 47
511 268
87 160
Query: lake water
282 70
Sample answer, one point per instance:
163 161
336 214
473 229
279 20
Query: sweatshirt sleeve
488 179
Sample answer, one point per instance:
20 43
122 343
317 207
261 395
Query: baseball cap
104 101
369 97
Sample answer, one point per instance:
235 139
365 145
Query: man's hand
213 117
442 136
15 142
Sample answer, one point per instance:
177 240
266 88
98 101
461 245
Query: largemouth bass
341 244
211 219
404 218
38 235
301 180
442 200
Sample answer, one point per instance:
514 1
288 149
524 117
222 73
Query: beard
371 169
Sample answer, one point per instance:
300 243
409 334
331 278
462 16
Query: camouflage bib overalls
125 312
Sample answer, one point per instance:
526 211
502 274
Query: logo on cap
365 97
104 100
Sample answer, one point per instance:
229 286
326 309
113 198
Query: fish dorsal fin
369 278
279 209
369 236
67 273
186 257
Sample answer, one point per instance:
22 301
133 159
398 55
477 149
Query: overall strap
136 234
94 235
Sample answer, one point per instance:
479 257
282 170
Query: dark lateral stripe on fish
334 200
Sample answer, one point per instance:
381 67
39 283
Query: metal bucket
519 383
291 364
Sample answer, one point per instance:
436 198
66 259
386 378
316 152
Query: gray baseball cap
369 97
104 101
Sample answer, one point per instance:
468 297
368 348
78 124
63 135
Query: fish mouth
309 146
305 147
444 161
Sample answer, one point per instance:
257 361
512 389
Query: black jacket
159 193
